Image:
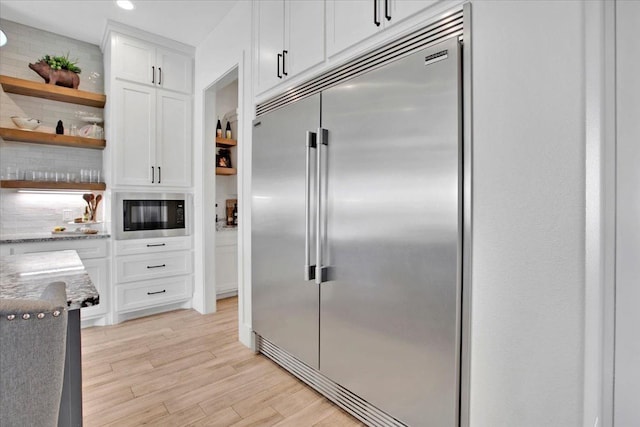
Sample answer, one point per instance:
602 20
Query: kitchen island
26 276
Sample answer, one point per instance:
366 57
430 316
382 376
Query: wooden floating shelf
52 92
33 137
226 171
224 142
49 185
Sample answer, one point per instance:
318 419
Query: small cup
95 175
12 173
85 175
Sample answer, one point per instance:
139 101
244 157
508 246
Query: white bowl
25 122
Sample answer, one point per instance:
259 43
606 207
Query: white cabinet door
226 269
98 270
269 42
175 71
135 130
304 33
401 9
134 60
349 22
173 139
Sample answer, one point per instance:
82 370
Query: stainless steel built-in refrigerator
356 238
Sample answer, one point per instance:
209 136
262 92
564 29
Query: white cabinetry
153 136
150 116
94 254
141 62
226 263
349 22
152 273
290 39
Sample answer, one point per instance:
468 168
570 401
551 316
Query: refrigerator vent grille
342 397
444 28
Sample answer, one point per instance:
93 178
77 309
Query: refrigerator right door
390 309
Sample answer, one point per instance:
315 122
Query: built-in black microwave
142 215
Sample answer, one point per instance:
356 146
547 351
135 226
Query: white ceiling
187 21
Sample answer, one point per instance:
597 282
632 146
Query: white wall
228 46
627 366
528 236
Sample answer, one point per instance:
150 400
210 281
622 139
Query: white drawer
142 267
146 246
153 293
87 249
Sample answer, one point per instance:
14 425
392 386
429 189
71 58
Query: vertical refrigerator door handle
284 66
309 270
386 10
375 13
279 75
322 140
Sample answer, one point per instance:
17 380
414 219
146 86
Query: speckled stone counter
48 237
26 276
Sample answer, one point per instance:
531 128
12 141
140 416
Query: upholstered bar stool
33 335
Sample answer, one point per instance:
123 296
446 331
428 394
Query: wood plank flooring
182 368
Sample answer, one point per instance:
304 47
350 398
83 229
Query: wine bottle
219 129
228 131
235 214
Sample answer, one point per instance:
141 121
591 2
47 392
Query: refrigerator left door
284 305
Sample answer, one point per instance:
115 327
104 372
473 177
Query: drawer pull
156 266
159 292
157 244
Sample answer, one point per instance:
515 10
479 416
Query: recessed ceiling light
125 4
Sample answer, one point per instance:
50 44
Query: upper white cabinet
290 39
349 22
150 115
141 62
153 136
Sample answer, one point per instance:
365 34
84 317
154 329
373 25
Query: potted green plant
58 70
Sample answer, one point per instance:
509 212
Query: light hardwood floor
186 369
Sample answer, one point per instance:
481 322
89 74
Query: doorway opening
221 190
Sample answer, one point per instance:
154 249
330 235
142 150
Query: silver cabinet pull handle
309 270
323 139
156 266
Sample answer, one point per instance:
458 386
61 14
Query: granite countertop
27 275
48 237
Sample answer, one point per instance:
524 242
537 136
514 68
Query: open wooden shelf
224 142
226 171
49 185
20 135
52 92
